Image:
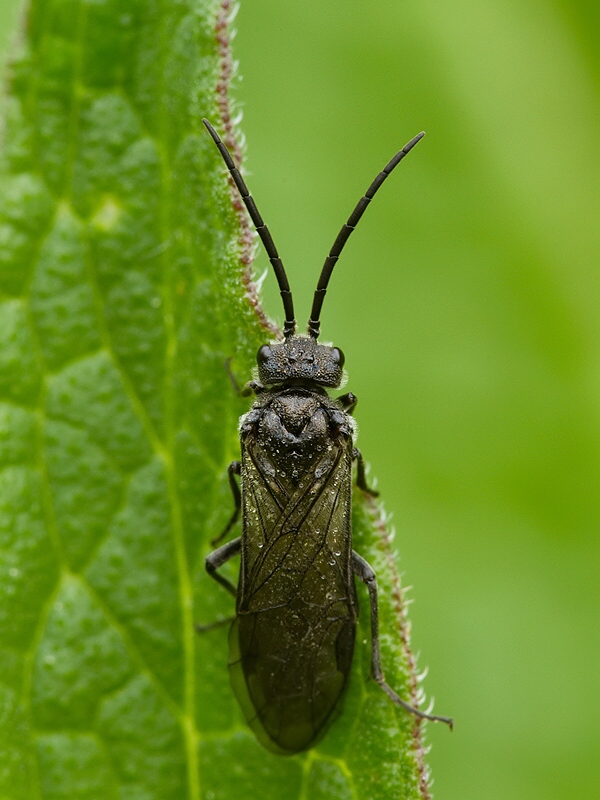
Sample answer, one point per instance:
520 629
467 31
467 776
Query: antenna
289 327
314 325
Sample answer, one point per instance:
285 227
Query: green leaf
124 288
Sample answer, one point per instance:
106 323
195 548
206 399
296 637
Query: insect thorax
294 427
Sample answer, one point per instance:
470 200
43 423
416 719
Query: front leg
252 387
361 478
365 573
348 402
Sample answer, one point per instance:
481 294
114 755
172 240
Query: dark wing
292 642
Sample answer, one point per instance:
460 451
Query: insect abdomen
289 673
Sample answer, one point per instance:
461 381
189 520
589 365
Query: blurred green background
468 306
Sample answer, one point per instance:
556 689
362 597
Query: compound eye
338 357
263 355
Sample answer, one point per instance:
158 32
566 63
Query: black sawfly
291 642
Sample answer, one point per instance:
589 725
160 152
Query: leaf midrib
190 730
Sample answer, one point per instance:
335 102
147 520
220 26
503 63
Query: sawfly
292 640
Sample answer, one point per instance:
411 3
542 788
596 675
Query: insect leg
212 625
218 557
365 573
348 402
361 478
235 468
247 389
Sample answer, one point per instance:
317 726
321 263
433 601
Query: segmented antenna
289 327
314 325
